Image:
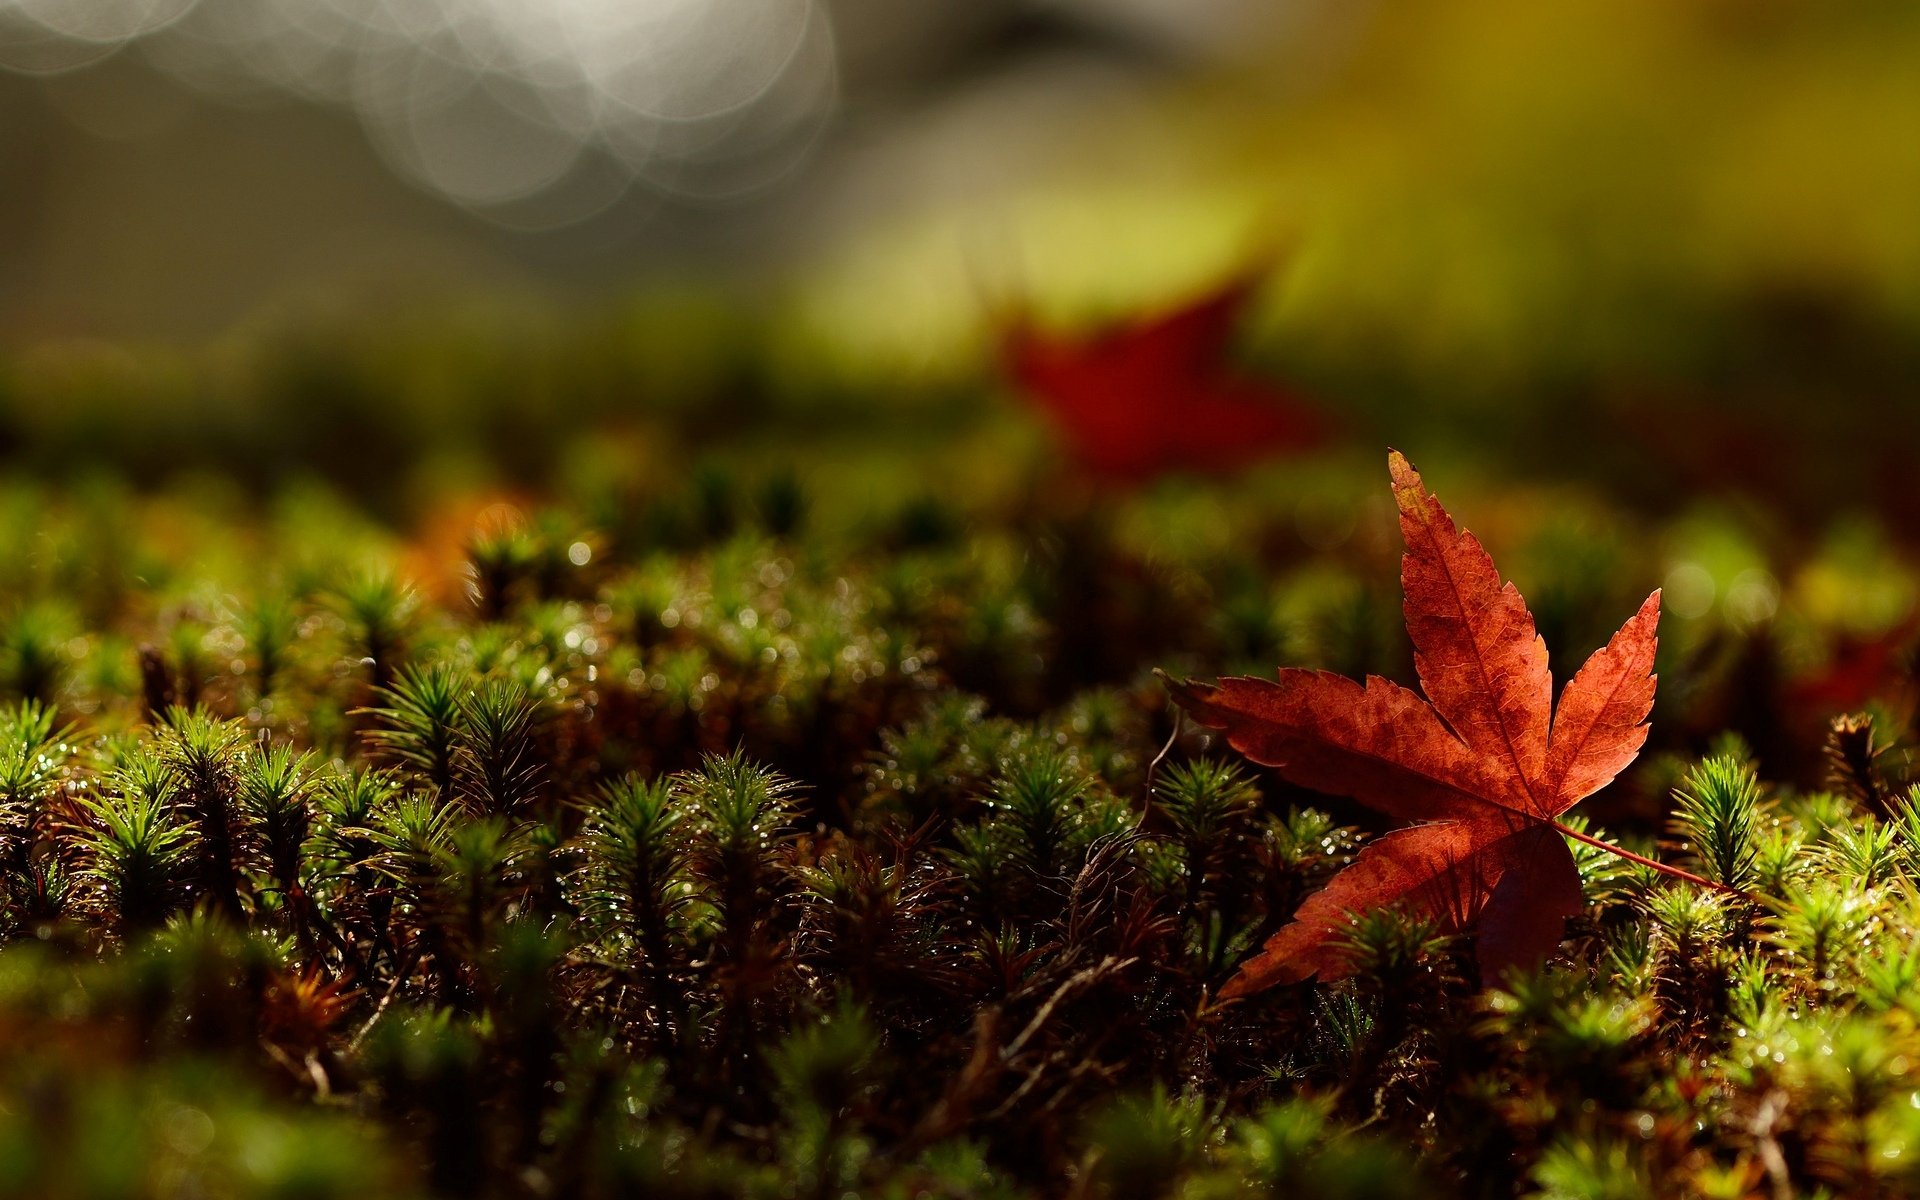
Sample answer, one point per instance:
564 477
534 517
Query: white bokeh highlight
535 112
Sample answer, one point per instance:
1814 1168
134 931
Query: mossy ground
744 832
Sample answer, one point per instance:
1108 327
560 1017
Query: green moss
754 852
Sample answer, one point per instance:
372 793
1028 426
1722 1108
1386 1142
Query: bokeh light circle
492 103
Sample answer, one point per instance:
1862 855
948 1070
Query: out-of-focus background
1668 247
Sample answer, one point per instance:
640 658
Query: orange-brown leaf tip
1189 694
1409 490
1293 954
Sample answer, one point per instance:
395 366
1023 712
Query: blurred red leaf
1483 762
1160 394
1861 669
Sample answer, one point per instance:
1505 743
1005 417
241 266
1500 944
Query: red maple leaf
1482 765
1159 394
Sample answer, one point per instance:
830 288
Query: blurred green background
1667 248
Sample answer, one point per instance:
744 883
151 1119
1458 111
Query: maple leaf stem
1644 861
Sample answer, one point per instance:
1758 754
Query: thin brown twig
1153 768
399 977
